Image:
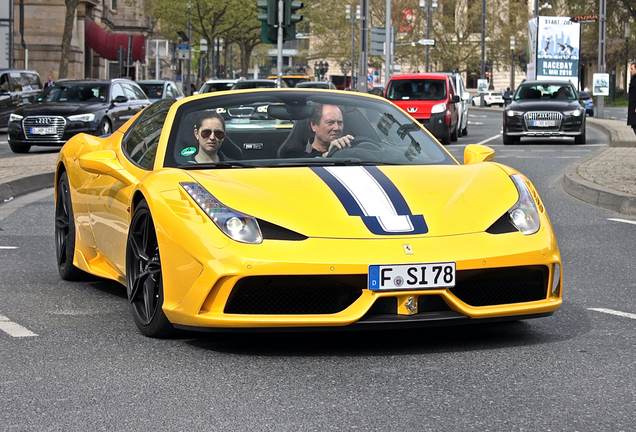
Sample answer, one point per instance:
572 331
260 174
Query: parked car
256 84
68 107
215 85
317 84
490 98
587 101
378 90
293 79
462 105
17 88
160 89
431 99
242 244
542 109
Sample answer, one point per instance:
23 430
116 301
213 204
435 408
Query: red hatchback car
430 98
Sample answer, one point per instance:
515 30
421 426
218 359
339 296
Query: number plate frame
50 130
543 123
412 276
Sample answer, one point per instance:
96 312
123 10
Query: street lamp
345 67
320 69
428 5
351 17
512 63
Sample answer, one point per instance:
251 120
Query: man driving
327 125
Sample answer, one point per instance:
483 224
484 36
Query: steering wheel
362 142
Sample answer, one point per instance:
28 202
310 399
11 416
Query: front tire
19 148
104 128
65 232
580 139
144 281
453 135
508 140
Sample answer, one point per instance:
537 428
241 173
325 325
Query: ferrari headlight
439 108
82 117
575 113
15 117
262 109
524 215
238 226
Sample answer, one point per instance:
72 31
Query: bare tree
71 7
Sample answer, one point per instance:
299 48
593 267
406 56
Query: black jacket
631 109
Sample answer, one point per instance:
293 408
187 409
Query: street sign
184 51
430 42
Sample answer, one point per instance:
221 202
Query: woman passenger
209 130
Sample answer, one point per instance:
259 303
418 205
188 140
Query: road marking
622 220
613 312
13 329
489 139
8 247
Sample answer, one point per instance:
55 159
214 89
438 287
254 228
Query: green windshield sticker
188 151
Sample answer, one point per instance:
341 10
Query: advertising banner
601 84
532 50
558 49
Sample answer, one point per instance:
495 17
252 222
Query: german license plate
543 123
411 276
43 130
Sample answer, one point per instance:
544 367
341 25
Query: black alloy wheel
65 232
104 127
144 282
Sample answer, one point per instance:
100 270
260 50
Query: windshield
286 128
153 91
216 86
416 89
75 92
562 91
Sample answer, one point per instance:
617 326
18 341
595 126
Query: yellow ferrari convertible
296 209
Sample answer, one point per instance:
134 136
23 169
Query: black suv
69 107
544 109
17 87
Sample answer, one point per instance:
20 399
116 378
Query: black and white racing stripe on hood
368 193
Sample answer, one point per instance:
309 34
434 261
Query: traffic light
290 18
269 18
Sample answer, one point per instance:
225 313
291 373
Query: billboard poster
601 84
558 49
532 50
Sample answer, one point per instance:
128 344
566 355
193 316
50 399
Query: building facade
90 54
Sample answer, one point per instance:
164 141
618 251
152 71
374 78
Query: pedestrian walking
631 108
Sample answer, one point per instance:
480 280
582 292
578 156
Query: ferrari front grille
543 120
44 128
499 286
294 295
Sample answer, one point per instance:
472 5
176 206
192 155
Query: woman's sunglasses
205 134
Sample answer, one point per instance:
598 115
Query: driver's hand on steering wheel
339 144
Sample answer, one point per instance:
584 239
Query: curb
26 185
596 194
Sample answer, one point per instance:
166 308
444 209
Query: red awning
106 44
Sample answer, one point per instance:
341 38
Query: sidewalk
606 179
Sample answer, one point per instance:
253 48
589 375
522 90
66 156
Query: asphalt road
81 365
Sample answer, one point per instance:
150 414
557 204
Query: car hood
366 202
61 109
544 105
